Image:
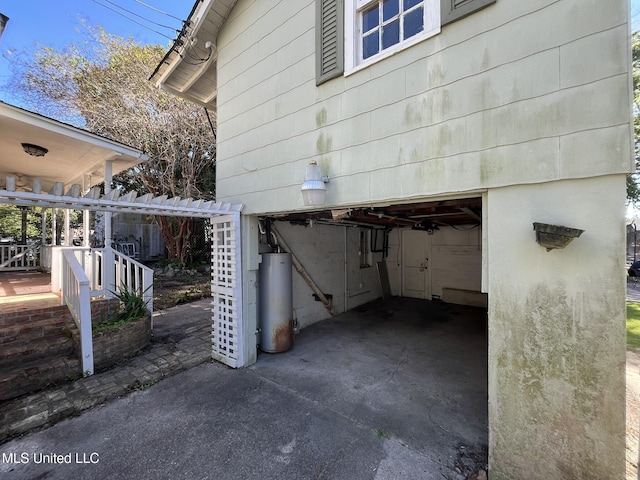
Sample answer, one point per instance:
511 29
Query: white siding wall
520 92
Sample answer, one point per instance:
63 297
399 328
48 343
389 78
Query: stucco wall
520 92
557 332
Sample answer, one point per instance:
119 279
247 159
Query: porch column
85 228
54 227
67 229
23 214
108 177
44 226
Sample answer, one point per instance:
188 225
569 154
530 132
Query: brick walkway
182 339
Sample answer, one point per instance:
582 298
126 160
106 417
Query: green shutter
452 10
329 39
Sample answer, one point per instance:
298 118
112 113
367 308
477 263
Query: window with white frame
351 34
375 29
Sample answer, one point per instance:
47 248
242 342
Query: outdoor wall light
313 189
34 150
555 236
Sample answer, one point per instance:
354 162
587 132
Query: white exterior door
416 275
226 291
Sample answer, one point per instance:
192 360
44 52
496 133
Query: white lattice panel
226 291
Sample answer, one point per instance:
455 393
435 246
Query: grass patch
633 325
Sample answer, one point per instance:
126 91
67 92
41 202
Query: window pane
390 8
413 22
410 3
370 19
370 45
391 34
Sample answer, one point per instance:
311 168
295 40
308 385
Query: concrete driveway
393 390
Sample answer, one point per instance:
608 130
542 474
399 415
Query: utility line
140 16
159 11
134 21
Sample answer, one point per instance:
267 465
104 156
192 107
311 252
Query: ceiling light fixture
34 150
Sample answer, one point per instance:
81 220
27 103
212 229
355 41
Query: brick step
19 352
37 374
28 315
32 329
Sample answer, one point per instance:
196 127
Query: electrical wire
460 229
141 16
185 59
134 21
210 124
160 11
197 58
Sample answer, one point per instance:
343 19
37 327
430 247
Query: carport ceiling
419 215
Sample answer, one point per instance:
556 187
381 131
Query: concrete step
37 374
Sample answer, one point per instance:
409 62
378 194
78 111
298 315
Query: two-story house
447 129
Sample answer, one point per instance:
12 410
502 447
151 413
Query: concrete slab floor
390 390
413 369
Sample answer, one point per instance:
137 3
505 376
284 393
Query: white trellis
226 290
226 285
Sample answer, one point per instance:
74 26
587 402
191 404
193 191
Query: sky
56 23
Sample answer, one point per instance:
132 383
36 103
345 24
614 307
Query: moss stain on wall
554 375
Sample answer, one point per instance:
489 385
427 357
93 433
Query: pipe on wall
303 273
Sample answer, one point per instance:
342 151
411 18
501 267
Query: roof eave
178 73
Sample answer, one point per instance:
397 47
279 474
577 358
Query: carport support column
250 265
557 332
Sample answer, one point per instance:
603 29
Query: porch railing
75 294
124 272
81 273
19 257
130 274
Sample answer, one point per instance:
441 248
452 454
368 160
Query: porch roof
188 70
74 156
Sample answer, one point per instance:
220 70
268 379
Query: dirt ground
633 413
179 289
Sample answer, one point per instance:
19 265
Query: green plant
132 304
132 307
382 433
